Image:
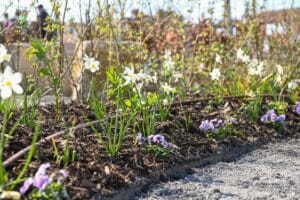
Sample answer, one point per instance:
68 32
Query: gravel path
271 172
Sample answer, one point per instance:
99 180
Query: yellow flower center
8 83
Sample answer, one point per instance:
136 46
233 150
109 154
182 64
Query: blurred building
276 21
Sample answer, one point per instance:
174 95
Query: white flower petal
8 71
6 92
17 77
17 89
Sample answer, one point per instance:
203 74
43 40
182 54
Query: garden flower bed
94 174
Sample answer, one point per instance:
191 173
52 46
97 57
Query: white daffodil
242 56
167 88
215 74
239 53
4 56
292 85
279 69
218 59
10 82
165 102
91 64
130 76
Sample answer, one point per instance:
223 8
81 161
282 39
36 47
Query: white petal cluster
240 55
256 68
215 74
10 82
91 64
138 79
292 85
167 88
4 56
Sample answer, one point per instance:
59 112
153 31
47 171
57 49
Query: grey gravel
271 172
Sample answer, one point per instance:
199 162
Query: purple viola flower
140 139
165 144
298 107
158 138
281 118
271 111
205 125
40 180
264 118
273 117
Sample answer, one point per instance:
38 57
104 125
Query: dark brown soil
95 174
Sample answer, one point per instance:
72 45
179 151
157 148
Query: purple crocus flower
40 180
140 139
205 125
298 107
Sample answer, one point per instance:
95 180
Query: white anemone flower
91 64
10 82
167 88
4 56
215 74
218 59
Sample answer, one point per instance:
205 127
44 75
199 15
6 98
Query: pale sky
192 10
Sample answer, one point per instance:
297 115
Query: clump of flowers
272 117
297 109
211 125
157 139
256 67
91 64
10 82
42 181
